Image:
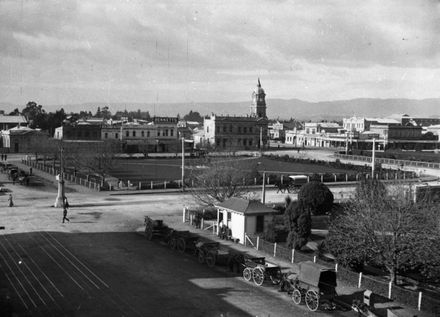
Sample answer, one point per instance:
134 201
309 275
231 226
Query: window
224 128
142 133
116 135
250 142
105 135
244 130
217 142
207 129
87 134
172 132
239 129
148 133
229 216
158 132
244 142
230 128
260 224
127 133
165 132
250 130
134 133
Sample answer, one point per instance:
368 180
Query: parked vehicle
258 270
314 284
292 184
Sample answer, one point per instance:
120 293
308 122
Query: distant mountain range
276 108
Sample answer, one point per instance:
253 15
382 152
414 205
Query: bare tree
99 160
216 180
384 226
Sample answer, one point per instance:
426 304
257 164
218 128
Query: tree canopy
299 223
316 197
383 226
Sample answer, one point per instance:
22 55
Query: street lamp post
373 158
59 201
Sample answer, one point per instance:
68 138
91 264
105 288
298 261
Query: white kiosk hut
243 216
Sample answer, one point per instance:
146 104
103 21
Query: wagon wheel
210 259
172 243
201 257
258 276
296 296
148 233
276 278
181 245
247 274
312 300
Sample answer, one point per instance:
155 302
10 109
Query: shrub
316 197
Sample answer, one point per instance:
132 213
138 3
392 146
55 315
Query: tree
214 181
383 226
299 222
193 116
36 115
316 197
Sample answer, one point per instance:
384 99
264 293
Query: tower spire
259 85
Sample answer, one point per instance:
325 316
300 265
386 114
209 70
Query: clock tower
258 106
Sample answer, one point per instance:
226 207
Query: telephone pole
59 201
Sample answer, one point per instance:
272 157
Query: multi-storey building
231 133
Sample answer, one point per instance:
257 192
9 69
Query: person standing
11 201
65 215
65 202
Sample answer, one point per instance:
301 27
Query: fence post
255 181
165 184
336 267
151 185
258 242
275 250
419 304
322 178
360 280
293 255
140 185
184 214
190 219
282 179
346 177
389 289
202 223
268 180
336 178
314 259
192 183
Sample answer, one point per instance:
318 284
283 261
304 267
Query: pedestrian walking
11 201
65 215
65 202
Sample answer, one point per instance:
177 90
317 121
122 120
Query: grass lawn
137 170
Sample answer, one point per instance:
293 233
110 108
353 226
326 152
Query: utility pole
373 158
183 162
59 201
263 189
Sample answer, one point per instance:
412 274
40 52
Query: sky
150 51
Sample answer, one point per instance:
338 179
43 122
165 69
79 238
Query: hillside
276 108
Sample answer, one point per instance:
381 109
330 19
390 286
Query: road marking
42 272
79 261
16 291
55 261
29 269
18 280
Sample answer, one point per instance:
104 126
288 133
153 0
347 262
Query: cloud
173 45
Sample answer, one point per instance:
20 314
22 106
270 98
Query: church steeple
258 106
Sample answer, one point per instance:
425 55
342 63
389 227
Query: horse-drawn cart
292 184
155 229
258 270
315 284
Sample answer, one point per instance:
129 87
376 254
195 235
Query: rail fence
396 162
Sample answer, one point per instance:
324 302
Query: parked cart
258 270
315 284
155 229
182 240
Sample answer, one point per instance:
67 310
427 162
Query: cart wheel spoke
210 259
247 274
181 245
312 300
258 276
296 296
